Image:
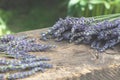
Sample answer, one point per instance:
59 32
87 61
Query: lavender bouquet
100 32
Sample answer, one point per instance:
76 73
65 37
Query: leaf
72 6
107 5
83 8
90 6
73 2
96 1
83 2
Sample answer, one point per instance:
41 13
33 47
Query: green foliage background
93 7
22 15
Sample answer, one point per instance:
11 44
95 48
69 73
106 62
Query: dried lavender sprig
35 64
44 36
109 44
83 39
23 45
81 20
24 66
6 38
110 33
24 74
16 53
24 60
79 40
64 25
111 36
87 20
105 35
4 69
76 35
6 62
58 39
3 47
95 29
60 23
57 25
65 36
29 60
79 27
20 54
88 39
37 47
61 30
2 76
94 44
71 21
18 38
21 42
30 40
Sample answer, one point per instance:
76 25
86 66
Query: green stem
83 13
114 18
86 13
105 11
110 19
93 12
117 9
4 55
109 15
97 10
112 8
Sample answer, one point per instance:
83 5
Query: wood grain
76 62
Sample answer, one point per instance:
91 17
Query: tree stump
76 62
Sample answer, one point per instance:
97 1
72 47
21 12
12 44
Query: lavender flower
109 44
6 38
96 28
23 74
2 76
18 47
7 62
76 35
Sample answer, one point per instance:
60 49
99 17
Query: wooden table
76 62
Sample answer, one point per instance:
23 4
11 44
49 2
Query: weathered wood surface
76 62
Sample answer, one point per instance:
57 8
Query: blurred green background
23 15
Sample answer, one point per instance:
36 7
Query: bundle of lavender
22 63
101 32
